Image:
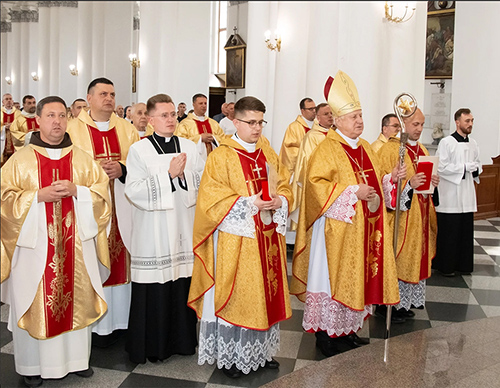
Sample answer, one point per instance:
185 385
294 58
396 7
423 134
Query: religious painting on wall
235 62
440 39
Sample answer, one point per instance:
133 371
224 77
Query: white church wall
476 79
174 49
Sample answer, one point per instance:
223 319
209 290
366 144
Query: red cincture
58 277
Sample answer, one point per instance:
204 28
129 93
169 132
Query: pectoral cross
257 170
362 175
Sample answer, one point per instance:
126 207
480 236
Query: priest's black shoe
404 313
328 348
232 372
152 359
273 364
33 381
354 341
381 311
85 373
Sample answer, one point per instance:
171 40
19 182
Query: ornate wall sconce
8 80
34 75
277 41
73 70
135 62
389 12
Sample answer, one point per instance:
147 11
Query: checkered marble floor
449 300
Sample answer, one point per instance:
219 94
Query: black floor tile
113 357
496 258
479 250
295 322
485 228
8 375
486 270
5 335
255 378
146 381
443 281
377 327
488 242
487 297
308 349
453 312
494 222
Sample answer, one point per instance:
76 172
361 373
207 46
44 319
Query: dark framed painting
439 44
235 68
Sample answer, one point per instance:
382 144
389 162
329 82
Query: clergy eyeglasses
165 116
254 123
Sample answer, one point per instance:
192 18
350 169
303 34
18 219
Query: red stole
271 254
204 127
8 118
374 226
31 124
106 146
306 128
424 202
58 277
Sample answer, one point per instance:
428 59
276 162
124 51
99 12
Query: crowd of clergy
144 221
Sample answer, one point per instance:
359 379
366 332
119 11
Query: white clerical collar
9 111
54 153
249 147
165 139
141 133
413 143
309 123
200 118
102 126
352 142
28 115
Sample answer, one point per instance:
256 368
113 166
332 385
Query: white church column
83 42
32 50
6 31
476 79
14 54
68 20
43 38
95 33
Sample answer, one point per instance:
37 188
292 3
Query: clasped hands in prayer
57 191
177 165
273 204
207 137
112 168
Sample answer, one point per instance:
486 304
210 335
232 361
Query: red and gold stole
58 277
8 118
31 124
306 128
204 127
424 202
271 255
374 225
106 146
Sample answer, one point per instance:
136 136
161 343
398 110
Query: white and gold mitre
341 94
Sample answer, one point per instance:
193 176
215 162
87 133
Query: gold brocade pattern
58 301
291 143
18 188
188 129
329 174
411 245
240 293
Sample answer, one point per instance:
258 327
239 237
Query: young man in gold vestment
239 286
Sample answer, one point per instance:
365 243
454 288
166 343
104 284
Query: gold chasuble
251 288
65 299
361 263
291 143
8 118
20 127
108 145
417 226
191 128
